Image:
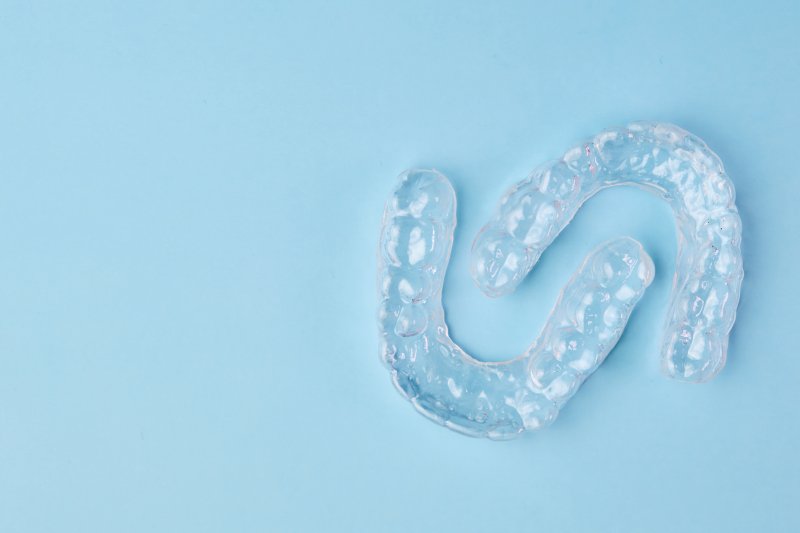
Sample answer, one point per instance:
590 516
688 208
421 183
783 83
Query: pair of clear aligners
500 400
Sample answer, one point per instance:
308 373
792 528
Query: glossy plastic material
500 400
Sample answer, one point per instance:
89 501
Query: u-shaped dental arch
501 400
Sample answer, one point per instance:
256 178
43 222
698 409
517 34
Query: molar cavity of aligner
412 286
530 216
575 350
411 320
423 193
500 261
415 242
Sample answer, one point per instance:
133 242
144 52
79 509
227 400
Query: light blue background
190 196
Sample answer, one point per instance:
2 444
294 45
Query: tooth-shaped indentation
544 369
412 320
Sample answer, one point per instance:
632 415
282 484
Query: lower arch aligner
501 400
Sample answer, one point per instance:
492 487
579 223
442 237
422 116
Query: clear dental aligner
501 400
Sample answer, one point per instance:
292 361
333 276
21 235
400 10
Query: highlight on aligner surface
500 400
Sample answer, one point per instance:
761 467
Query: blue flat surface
190 197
